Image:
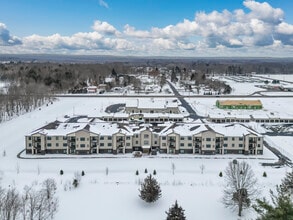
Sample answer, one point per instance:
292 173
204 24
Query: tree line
31 204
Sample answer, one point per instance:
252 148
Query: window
127 137
189 138
64 144
57 138
102 144
136 142
182 138
225 145
64 138
101 137
164 138
57 144
29 138
258 145
208 146
189 144
208 139
156 142
82 139
48 138
49 144
29 144
240 145
233 145
225 138
258 139
164 144
109 137
181 144
233 138
241 139
109 144
127 144
82 145
145 136
182 151
146 142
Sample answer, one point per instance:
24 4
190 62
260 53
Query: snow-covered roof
232 130
152 104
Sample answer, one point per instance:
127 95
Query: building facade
239 104
99 137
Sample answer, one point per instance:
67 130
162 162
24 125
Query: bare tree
240 187
39 204
49 187
10 205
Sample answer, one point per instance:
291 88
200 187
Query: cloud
5 38
104 28
103 4
260 29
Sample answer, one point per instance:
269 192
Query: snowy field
285 77
115 196
278 106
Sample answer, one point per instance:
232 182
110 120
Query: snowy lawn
115 196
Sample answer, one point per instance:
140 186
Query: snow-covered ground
285 77
115 196
277 106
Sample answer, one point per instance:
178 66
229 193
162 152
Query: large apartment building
94 136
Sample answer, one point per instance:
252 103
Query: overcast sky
191 28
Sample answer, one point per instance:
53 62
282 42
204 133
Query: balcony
120 146
171 139
120 139
219 140
252 141
197 140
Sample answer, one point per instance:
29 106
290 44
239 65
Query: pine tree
150 190
154 172
221 174
136 173
176 212
145 170
287 183
264 174
61 172
82 173
281 207
75 183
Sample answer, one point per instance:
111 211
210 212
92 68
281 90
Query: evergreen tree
145 170
280 209
75 183
150 190
61 172
264 174
82 173
220 174
136 173
155 172
287 183
176 212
